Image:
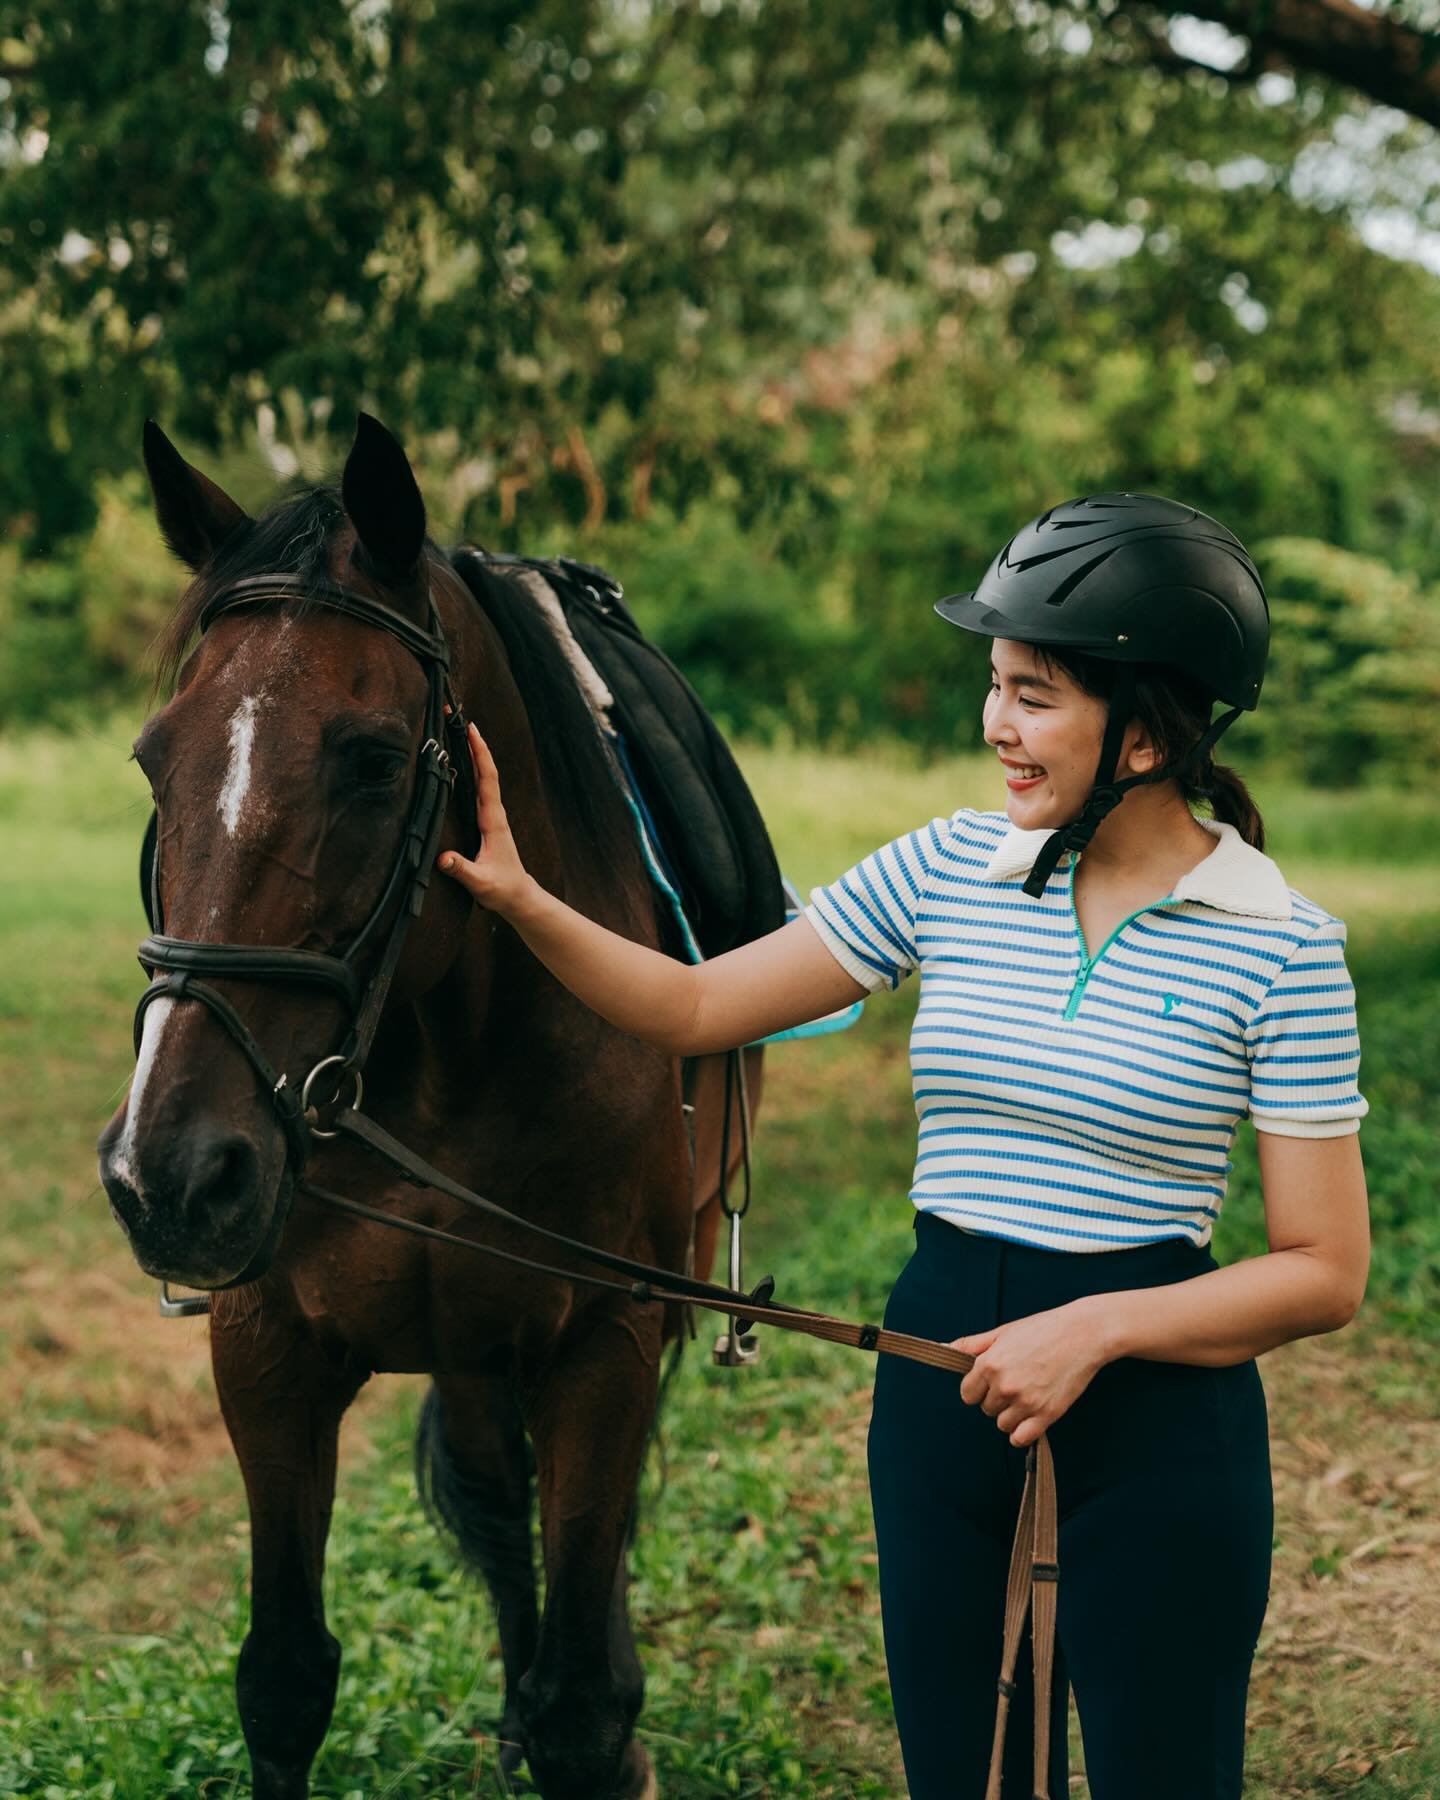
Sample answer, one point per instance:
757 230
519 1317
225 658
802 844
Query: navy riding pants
1163 1477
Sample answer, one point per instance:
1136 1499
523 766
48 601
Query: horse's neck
496 994
492 699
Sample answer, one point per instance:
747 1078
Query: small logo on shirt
1171 1002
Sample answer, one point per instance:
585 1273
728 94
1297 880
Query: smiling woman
1109 984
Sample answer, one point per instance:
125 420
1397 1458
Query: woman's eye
1037 704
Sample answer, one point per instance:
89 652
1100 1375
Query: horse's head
285 769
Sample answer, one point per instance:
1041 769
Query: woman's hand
496 878
1030 1371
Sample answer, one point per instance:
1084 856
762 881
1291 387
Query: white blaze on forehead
122 1158
237 777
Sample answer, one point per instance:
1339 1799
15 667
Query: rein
183 963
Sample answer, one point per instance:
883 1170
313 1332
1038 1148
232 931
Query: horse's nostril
223 1174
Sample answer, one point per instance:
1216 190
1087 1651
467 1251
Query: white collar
1235 876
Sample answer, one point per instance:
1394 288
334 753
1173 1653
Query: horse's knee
285 1684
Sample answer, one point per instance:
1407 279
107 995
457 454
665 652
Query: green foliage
1354 692
599 258
788 314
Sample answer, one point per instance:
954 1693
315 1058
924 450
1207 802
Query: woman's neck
1149 840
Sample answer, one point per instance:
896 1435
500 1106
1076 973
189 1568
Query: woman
1108 984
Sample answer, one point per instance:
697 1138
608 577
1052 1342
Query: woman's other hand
1030 1371
496 879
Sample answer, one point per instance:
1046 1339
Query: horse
293 842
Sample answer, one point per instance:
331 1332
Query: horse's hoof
637 1774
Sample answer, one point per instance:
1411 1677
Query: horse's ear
195 516
383 500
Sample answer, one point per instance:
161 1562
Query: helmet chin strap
1107 793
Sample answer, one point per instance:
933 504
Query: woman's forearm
759 987
1228 1315
644 992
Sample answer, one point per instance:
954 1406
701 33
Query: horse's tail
486 1518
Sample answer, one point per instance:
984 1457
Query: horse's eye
379 768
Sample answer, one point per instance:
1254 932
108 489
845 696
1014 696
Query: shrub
1353 691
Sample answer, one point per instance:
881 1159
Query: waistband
950 1250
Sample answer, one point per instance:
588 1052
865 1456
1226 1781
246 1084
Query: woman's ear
1140 754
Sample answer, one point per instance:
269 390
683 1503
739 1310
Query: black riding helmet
1134 579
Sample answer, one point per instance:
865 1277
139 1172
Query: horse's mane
574 763
292 537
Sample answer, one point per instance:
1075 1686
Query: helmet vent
1068 586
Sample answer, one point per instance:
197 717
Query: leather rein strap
1034 1555
180 961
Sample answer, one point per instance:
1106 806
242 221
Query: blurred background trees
789 313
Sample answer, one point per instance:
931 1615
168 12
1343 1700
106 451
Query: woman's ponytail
1228 798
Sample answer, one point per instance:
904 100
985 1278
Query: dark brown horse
283 770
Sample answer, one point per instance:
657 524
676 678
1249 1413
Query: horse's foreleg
472 1465
282 1405
589 1418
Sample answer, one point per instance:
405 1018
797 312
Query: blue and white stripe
1111 1127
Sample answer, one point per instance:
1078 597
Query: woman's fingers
489 812
495 875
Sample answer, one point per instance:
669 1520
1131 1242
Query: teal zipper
1087 961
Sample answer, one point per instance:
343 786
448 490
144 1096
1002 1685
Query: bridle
1033 1564
182 960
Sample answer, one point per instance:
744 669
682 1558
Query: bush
1353 692
828 638
74 634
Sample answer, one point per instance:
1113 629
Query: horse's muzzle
202 1213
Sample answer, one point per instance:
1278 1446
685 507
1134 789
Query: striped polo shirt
1082 1097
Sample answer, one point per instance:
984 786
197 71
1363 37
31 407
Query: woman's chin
1032 811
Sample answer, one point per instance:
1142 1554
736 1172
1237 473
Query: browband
253 590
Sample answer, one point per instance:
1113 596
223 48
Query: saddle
709 831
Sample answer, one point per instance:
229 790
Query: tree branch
1378 55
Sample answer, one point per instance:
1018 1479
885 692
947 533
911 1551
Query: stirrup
737 1347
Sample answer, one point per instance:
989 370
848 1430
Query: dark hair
1175 711
291 538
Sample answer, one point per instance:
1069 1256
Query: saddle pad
709 826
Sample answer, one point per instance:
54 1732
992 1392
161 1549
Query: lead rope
1034 1557
1030 1588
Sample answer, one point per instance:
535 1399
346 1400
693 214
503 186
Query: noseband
180 961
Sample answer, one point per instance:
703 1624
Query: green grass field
122 1524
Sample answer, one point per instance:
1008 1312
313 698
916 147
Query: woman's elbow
1346 1292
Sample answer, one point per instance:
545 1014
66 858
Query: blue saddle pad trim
663 876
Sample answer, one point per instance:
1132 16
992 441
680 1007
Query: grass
122 1523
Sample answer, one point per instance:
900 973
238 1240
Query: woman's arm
765 986
1313 1280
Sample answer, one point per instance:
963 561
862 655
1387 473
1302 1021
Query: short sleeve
866 918
1304 1044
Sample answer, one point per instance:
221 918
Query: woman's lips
1017 784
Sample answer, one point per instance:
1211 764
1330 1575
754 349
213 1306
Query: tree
603 259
